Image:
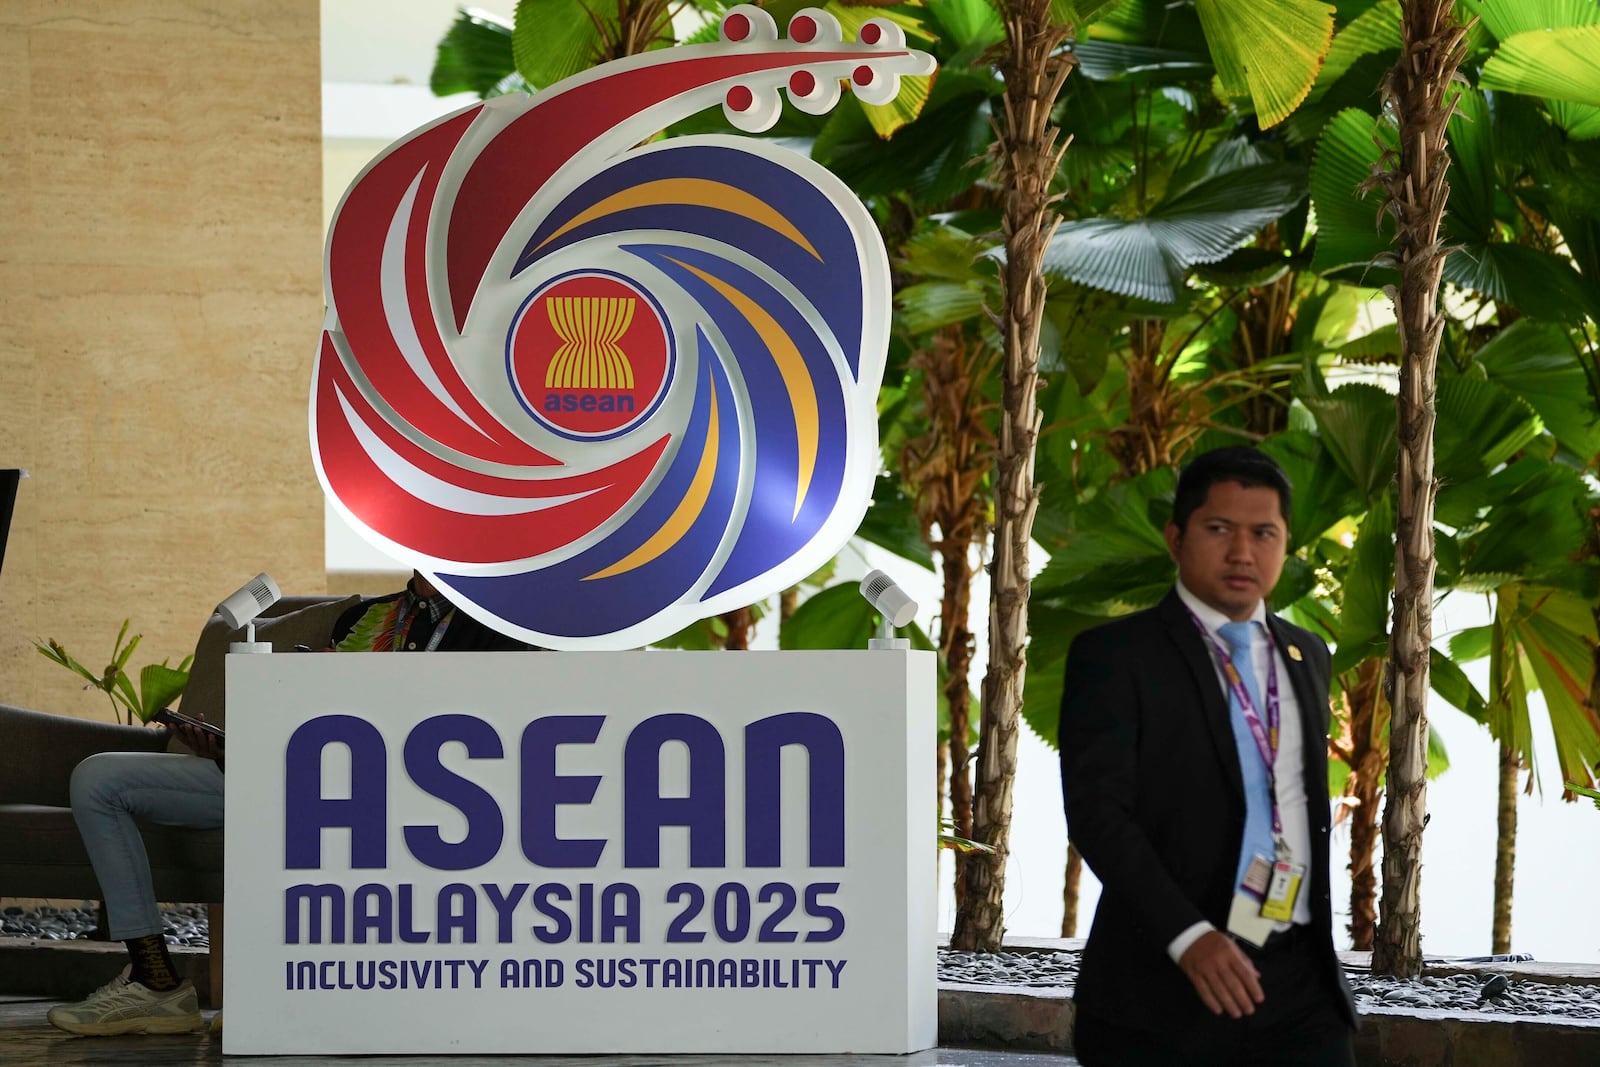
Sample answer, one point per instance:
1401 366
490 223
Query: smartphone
178 718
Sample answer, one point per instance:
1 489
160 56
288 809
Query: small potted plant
158 686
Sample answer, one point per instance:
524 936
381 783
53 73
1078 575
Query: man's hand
200 742
1222 975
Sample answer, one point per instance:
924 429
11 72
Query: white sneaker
124 1007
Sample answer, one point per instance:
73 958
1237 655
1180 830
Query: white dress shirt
1290 780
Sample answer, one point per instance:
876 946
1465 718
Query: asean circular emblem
590 355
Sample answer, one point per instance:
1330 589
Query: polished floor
27 1040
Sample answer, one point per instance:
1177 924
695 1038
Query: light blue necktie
1240 638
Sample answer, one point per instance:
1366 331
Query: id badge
1283 891
1245 920
1257 877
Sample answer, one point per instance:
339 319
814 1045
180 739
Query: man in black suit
1194 766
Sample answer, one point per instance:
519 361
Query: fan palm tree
1517 193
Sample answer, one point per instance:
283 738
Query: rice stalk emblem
589 356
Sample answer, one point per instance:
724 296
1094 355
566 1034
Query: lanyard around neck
1265 735
403 620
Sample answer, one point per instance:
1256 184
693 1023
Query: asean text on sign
581 853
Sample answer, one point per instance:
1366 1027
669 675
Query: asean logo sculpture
598 386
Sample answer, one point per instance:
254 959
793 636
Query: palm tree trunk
1594 552
640 24
941 757
1145 442
1505 850
1367 760
955 645
741 624
945 469
1265 330
1069 891
1368 793
1034 72
1417 193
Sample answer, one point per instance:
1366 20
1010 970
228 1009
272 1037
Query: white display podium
587 852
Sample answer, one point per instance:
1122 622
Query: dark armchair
41 853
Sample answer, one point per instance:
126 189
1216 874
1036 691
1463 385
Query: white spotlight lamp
243 605
896 608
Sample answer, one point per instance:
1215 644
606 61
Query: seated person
110 790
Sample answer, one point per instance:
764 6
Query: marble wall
160 297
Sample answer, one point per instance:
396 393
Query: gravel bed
1491 994
1487 993
184 924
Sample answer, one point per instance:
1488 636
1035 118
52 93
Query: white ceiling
387 42
377 56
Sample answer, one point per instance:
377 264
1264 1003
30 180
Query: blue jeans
112 789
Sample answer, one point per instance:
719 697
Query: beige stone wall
160 294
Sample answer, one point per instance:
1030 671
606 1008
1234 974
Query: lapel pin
1294 653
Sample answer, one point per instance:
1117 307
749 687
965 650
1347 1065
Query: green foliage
970 26
932 160
891 523
1114 559
474 56
1268 50
948 838
1438 761
158 686
1537 362
1544 639
943 287
1376 31
885 119
840 617
1367 582
1323 494
1480 427
1356 424
1561 64
1113 61
1053 629
708 634
1447 679
1352 229
1472 173
555 39
1147 256
1507 18
1181 218
1523 19
1543 284
1536 525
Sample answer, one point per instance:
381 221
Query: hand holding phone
203 739
178 720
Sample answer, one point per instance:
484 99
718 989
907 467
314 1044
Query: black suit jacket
1155 802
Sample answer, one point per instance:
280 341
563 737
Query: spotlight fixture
894 606
243 605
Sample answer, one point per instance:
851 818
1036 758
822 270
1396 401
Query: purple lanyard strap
1266 737
403 618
